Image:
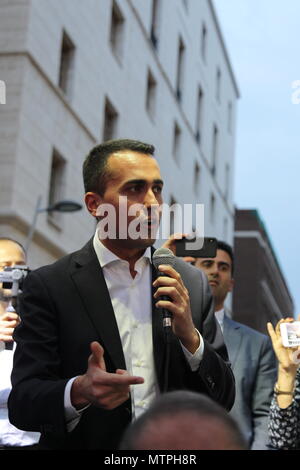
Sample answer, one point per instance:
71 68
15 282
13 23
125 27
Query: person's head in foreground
183 420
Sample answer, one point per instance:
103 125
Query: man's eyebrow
224 263
141 181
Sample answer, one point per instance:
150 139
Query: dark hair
95 167
8 239
225 247
178 403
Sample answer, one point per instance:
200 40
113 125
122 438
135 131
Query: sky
262 39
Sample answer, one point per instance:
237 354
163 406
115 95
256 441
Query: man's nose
150 199
213 271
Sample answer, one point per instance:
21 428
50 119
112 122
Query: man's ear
92 201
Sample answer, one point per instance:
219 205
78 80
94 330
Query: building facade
77 73
260 294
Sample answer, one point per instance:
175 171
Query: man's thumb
98 354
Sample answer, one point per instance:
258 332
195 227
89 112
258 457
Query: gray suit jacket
254 366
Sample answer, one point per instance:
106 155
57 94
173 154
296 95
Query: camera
290 334
12 278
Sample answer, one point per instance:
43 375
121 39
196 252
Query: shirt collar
105 256
220 316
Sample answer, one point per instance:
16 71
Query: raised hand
287 357
8 322
172 286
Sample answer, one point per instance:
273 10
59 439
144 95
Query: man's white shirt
9 434
220 317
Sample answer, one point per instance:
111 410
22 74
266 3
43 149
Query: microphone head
163 256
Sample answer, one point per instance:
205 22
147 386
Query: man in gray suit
250 353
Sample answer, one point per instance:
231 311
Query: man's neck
219 304
128 254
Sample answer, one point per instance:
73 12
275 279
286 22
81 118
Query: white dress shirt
132 304
9 434
220 317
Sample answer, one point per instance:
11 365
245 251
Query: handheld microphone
164 256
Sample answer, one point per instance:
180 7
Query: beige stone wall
37 117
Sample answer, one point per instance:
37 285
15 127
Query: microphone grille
163 256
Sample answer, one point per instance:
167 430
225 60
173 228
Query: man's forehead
126 162
131 157
221 257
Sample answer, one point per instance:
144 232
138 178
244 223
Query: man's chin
141 242
214 290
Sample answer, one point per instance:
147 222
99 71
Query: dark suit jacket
254 366
66 306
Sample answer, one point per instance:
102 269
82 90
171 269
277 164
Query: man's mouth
213 282
153 222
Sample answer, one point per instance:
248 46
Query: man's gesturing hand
100 388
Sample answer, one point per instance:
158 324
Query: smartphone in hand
290 334
196 247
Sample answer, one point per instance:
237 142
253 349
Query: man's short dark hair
176 404
8 239
225 247
95 167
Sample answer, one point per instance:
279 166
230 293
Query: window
199 115
203 42
227 180
212 208
56 184
176 142
229 117
156 4
66 65
225 229
150 95
185 4
197 174
180 70
110 121
117 31
214 149
2 92
218 85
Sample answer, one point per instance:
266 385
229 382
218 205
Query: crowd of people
83 359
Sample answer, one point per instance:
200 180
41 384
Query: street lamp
60 206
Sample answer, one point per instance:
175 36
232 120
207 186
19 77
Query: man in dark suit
250 353
90 347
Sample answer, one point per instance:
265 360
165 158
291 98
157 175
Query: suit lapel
90 283
233 339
